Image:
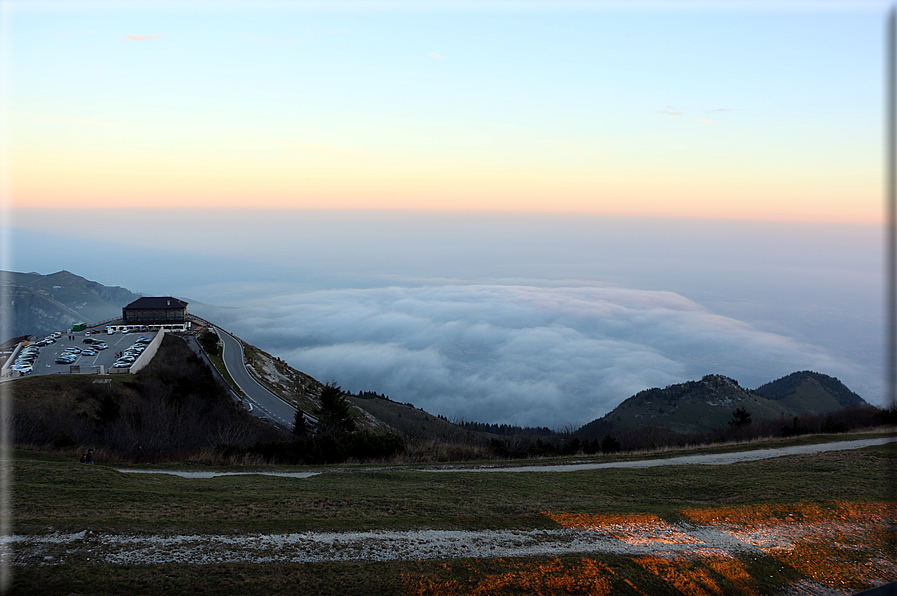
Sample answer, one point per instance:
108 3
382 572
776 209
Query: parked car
120 364
100 347
22 368
89 352
65 360
73 350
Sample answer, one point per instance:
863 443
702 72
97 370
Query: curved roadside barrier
148 353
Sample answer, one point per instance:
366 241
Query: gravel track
307 547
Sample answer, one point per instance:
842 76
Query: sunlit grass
843 545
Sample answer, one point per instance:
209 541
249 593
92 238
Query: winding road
263 403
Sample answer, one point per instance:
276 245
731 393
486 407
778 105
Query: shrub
610 445
209 342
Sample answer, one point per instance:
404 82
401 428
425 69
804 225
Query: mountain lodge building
154 310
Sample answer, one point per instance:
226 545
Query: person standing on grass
89 456
83 458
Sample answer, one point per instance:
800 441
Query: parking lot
89 359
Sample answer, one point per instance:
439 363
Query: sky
505 212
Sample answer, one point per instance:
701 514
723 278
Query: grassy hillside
414 423
278 377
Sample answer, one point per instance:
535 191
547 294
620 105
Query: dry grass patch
508 576
842 545
703 576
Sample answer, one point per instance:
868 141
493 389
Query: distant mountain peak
797 386
44 303
708 403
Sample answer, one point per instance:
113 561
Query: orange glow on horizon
265 177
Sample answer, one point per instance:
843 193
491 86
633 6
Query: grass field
55 494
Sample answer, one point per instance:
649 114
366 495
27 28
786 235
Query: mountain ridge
41 304
709 403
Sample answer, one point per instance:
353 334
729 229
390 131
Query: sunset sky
518 212
664 109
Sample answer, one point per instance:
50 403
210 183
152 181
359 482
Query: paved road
264 403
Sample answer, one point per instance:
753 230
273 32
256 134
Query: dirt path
712 459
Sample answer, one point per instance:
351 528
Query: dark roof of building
157 302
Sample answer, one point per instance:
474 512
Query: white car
89 352
121 364
22 368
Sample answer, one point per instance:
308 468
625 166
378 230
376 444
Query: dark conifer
334 414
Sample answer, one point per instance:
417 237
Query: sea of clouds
525 355
524 319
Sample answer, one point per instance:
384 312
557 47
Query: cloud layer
517 354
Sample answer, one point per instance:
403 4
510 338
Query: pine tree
740 417
335 414
300 427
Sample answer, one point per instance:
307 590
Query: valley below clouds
525 355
